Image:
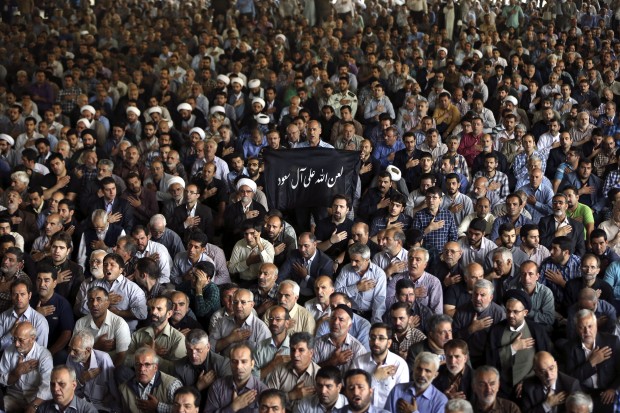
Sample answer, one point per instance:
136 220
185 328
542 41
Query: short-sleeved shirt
61 319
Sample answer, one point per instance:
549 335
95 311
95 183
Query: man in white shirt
387 368
155 250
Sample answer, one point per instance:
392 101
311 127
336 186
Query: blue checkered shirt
439 237
571 270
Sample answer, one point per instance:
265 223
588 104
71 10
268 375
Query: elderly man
319 306
201 367
593 360
181 318
63 384
486 386
428 287
165 236
99 234
166 340
392 260
149 389
513 343
94 371
244 325
305 264
360 327
549 388
439 332
473 321
364 282
590 270
388 369
459 293
246 208
296 378
541 297
266 292
420 395
579 402
338 348
11 270
288 295
111 331
239 391
606 319
25 369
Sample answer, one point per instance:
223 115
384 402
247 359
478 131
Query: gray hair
68 369
292 284
98 252
88 340
438 319
99 214
427 357
459 405
245 290
412 250
505 252
360 249
106 162
143 351
580 399
302 337
157 218
584 313
197 336
20 176
486 284
486 369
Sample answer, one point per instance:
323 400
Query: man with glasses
165 236
192 214
244 325
149 389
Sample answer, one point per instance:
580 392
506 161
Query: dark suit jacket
180 215
27 228
533 394
122 206
442 381
321 265
543 342
578 366
233 220
546 226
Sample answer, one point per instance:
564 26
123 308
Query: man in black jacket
513 343
549 388
558 224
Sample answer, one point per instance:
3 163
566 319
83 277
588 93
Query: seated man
166 340
111 332
485 387
327 394
359 392
455 376
25 369
21 293
288 294
319 306
95 372
593 359
199 249
360 327
201 367
250 252
181 318
240 390
149 389
65 378
203 293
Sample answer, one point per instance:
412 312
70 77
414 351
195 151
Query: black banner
309 177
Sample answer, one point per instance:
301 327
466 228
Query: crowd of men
472 268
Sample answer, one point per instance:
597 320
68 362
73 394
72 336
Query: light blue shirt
8 319
542 207
373 299
133 298
101 391
431 401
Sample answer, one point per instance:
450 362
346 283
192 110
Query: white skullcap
479 53
237 80
7 138
262 119
154 109
511 99
259 100
224 78
199 131
281 37
85 121
175 180
442 49
88 108
254 83
133 109
184 106
246 182
394 173
217 109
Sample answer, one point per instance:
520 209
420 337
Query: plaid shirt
519 165
207 303
459 168
259 298
500 178
612 181
68 105
601 161
413 336
439 237
571 270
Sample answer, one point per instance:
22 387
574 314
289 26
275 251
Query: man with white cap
188 119
176 189
256 91
237 98
256 109
133 121
88 112
7 152
244 208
